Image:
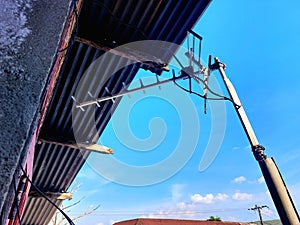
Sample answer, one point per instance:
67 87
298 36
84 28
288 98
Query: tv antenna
194 71
278 190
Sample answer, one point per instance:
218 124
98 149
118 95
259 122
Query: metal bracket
217 65
258 152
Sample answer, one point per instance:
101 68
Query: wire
44 196
189 91
208 98
222 97
17 202
169 212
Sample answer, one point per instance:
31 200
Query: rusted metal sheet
23 186
66 41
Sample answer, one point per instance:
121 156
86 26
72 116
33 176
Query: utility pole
278 190
259 208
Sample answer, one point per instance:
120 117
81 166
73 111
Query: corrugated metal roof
58 122
115 22
106 23
55 167
142 221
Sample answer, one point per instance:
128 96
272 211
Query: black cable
206 86
222 97
17 202
44 196
195 93
189 91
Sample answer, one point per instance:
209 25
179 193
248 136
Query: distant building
142 221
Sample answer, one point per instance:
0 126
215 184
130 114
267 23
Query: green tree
212 218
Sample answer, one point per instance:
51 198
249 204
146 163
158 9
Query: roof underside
102 24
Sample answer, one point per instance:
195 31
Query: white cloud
151 216
168 213
176 191
208 198
100 223
247 147
221 197
267 212
295 193
190 214
242 196
239 179
261 180
234 219
241 147
182 205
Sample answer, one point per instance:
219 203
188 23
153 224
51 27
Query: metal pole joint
280 195
217 65
259 152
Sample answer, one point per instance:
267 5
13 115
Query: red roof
142 221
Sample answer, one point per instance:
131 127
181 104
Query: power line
162 212
258 209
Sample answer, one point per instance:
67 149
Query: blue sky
259 41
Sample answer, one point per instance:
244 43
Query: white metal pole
278 190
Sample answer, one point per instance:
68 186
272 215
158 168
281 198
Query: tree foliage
212 218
